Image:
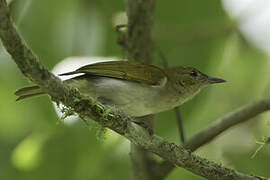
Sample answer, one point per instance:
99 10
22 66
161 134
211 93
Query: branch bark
241 115
205 136
139 38
87 107
139 47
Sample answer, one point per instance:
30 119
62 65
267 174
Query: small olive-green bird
135 88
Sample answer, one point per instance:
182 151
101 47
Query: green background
35 144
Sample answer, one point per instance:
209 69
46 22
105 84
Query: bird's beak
212 80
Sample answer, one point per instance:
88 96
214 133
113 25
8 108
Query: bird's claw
145 126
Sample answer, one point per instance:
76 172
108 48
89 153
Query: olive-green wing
127 70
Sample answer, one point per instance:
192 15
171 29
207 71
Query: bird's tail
28 92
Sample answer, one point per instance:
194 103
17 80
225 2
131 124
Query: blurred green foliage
34 144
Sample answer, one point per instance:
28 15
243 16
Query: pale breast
134 99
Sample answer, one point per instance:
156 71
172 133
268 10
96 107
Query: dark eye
193 73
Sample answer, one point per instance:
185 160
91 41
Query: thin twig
176 109
180 124
205 136
162 56
241 115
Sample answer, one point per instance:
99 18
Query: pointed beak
212 80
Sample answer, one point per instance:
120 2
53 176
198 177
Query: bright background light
71 64
254 20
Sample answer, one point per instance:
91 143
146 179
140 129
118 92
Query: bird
135 88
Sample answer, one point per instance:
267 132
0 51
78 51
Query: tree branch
87 107
28 64
140 20
205 136
241 115
139 47
183 158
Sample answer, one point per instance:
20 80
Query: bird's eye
193 73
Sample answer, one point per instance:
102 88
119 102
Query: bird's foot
123 116
145 126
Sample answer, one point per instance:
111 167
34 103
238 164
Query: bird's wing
126 70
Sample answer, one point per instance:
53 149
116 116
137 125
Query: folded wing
126 70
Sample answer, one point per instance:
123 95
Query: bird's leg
108 104
145 122
145 126
123 116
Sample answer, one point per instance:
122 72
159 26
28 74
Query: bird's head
190 79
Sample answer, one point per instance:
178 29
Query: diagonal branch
241 115
86 107
28 63
183 158
205 136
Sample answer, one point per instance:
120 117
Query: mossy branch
205 136
28 63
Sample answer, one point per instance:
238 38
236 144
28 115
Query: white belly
132 98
